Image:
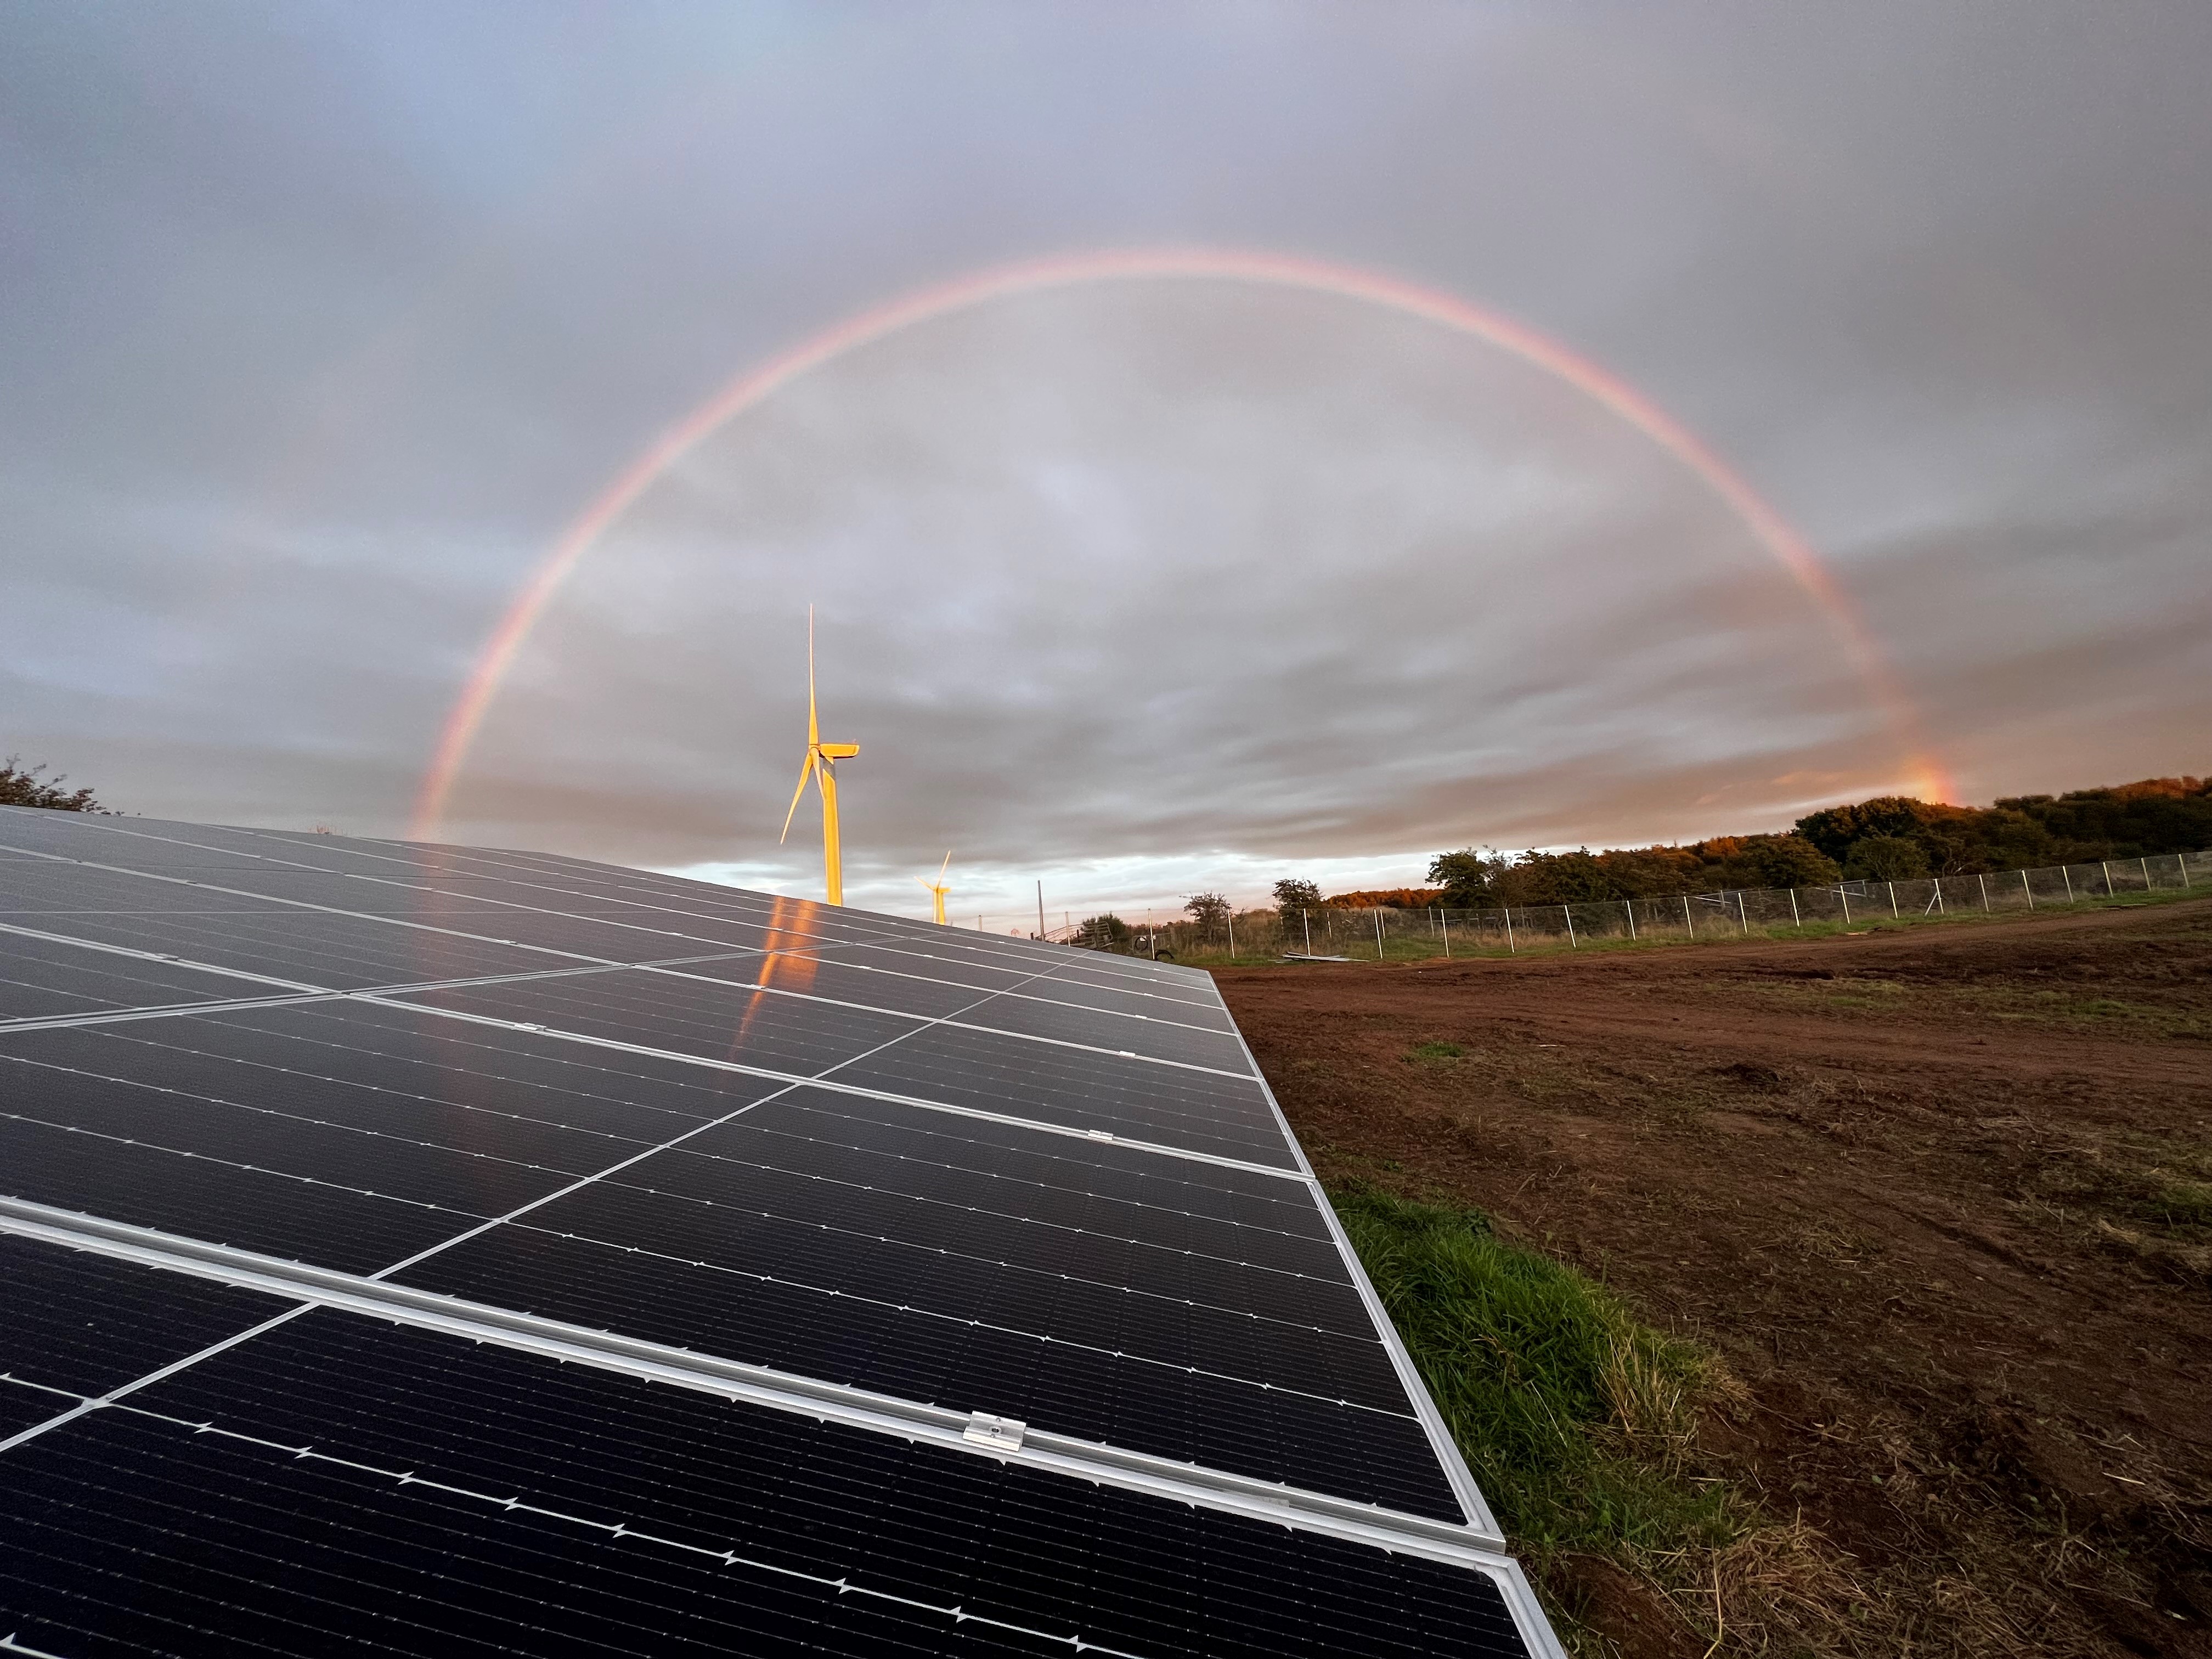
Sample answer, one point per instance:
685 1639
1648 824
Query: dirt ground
1940 1198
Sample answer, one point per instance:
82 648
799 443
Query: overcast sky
319 323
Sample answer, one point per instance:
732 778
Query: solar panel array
426 1251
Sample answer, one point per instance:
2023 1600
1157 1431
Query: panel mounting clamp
1000 1433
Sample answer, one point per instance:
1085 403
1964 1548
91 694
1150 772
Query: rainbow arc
1768 527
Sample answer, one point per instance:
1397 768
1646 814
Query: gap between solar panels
977 1433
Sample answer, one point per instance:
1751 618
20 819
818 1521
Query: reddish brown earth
1941 1200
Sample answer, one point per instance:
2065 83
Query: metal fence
1332 933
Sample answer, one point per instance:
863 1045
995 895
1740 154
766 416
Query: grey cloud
325 319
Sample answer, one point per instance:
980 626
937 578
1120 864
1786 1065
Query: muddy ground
1940 1199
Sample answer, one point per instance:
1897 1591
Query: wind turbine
937 890
820 765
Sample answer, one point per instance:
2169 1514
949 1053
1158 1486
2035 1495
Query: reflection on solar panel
426 1250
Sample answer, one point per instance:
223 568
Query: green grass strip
1574 1417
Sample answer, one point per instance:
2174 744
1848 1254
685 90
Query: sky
322 326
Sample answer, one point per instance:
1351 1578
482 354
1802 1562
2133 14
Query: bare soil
1940 1199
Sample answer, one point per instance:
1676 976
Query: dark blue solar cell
744 1529
89 1323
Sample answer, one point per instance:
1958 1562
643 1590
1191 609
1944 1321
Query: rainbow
1773 532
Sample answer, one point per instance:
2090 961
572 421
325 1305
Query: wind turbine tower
938 889
821 765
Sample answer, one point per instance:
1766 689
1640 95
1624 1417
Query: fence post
1894 913
1378 932
2107 869
1846 899
1306 923
2145 869
1629 905
1686 922
2027 890
1940 910
1795 921
1985 880
1231 920
1446 921
2066 875
1573 944
1510 950
1742 916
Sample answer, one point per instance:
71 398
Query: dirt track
1942 1199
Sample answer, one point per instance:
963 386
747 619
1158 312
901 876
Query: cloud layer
323 323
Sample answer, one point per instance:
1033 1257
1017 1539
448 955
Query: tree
1576 877
22 786
1208 910
1886 858
1470 880
1780 861
1295 895
1834 828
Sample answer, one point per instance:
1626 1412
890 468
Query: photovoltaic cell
474 1069
41 978
833 978
700 1017
1074 1166
251 1118
992 1168
1099 1365
742 1529
1150 1037
1033 1232
1198 1111
302 947
153 1186
88 1323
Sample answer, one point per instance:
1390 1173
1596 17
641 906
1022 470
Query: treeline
1890 838
28 786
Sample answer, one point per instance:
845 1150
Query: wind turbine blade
813 727
946 866
805 772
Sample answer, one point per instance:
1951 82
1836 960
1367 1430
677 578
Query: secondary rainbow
1773 532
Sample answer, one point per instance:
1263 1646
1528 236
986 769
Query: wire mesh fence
1331 933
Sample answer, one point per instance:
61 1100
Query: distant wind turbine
937 890
820 766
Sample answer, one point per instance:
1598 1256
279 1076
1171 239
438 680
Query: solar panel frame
845 943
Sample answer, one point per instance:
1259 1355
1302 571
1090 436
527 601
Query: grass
1714 930
1574 1418
1434 1053
2161 1188
1578 1422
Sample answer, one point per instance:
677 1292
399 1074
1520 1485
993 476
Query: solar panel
423 1249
